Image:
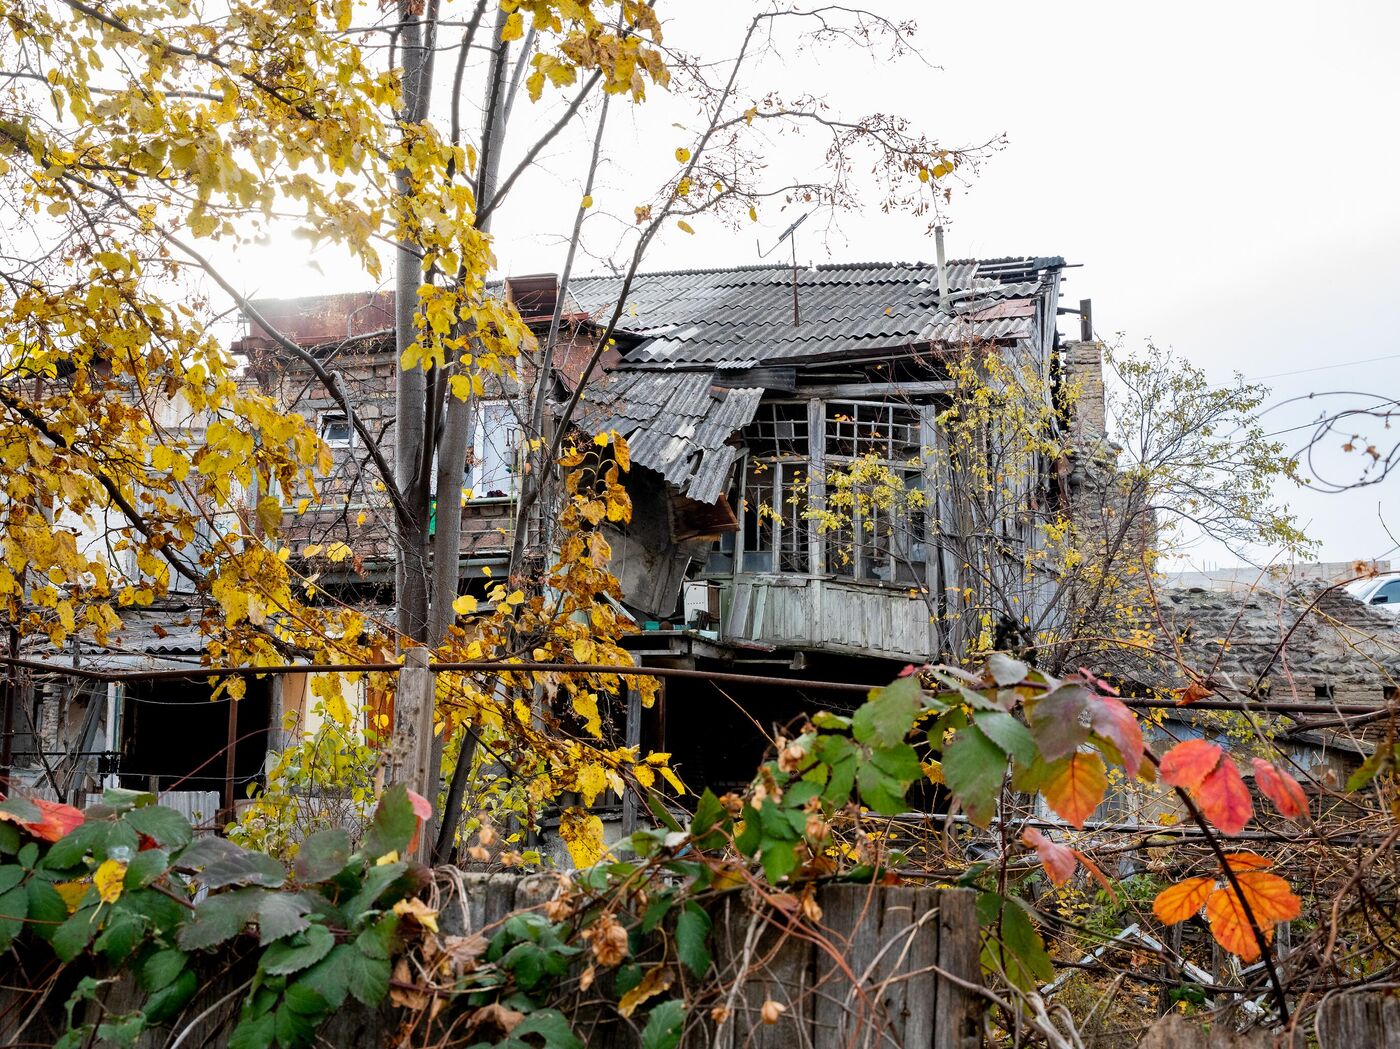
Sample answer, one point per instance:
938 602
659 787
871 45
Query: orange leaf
1247 861
1099 875
1110 718
58 820
1282 789
1230 927
1269 896
1188 764
1074 786
1058 860
1191 693
1178 902
1224 799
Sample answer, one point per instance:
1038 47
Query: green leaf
708 813
122 1031
376 882
289 956
10 876
9 839
665 1023
47 911
779 858
879 791
330 977
1007 733
165 826
549 1025
825 719
889 714
1057 721
122 799
69 850
281 914
1382 759
21 810
1010 943
393 825
662 814
292 1028
14 908
658 907
124 931
171 998
161 969
244 868
146 867
1005 670
323 855
973 768
75 934
840 755
303 999
253 1032
692 934
750 835
220 918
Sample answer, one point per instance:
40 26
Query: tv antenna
792 240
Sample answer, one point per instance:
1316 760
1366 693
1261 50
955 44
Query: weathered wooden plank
1349 1021
959 1017
768 964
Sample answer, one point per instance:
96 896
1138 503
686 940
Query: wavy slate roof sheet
739 318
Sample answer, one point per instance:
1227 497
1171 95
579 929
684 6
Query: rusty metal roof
676 424
743 317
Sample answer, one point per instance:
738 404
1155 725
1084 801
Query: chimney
942 266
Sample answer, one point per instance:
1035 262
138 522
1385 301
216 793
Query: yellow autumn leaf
108 878
338 552
587 201
657 979
682 154
590 781
583 836
464 605
514 28
685 226
517 597
72 893
419 912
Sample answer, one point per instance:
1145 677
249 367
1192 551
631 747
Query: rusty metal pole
230 810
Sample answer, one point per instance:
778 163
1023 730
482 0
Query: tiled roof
739 318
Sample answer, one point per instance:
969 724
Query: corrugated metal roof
743 317
696 323
676 424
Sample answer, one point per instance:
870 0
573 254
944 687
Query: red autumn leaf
423 809
58 820
1074 786
1224 799
1178 902
1282 789
1058 860
1112 720
1188 764
1191 693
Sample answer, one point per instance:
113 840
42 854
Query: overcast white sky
1224 172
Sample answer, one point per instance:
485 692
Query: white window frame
512 466
323 422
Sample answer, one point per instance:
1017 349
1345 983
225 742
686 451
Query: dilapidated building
798 512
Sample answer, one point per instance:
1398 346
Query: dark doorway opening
174 737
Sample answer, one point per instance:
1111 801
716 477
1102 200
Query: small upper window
335 430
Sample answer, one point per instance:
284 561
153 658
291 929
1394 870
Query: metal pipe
942 266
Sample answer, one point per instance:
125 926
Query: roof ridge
1049 261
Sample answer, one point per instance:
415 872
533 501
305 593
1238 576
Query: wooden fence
886 966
